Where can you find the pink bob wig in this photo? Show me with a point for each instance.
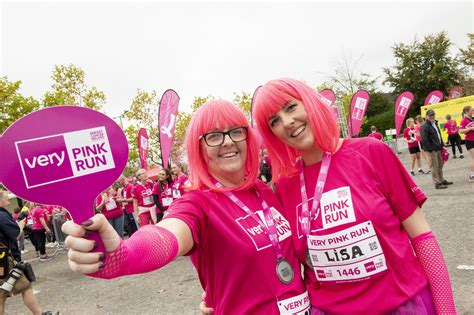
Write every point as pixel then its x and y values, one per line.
pixel 270 99
pixel 217 114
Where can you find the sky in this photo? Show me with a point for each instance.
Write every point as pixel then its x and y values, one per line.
pixel 210 48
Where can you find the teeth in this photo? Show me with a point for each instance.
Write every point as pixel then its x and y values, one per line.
pixel 228 155
pixel 298 131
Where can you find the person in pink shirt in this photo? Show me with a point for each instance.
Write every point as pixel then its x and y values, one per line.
pixel 124 196
pixel 143 204
pixel 409 136
pixel 418 122
pixel 467 128
pixel 179 180
pixel 107 204
pixel 229 223
pixel 354 211
pixel 162 192
pixel 375 134
pixel 40 228
pixel 453 135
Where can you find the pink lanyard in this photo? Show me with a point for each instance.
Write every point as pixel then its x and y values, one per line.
pixel 269 229
pixel 318 193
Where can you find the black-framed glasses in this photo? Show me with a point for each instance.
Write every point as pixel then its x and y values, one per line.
pixel 216 138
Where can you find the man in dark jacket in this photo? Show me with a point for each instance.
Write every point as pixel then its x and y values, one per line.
pixel 432 143
pixel 9 231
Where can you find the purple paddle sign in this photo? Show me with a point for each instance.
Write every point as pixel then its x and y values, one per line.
pixel 143 147
pixel 64 156
pixel 329 97
pixel 434 97
pixel 166 122
pixel 359 103
pixel 402 104
pixel 252 120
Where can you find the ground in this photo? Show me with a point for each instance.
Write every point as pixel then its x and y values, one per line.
pixel 175 289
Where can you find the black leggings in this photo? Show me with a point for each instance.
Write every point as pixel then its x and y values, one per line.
pixel 455 140
pixel 39 241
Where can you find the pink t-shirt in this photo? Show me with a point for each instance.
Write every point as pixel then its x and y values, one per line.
pixel 165 197
pixel 178 186
pixel 367 188
pixel 467 123
pixel 417 132
pixel 409 134
pixel 127 194
pixel 451 126
pixel 143 194
pixel 233 257
pixel 36 214
pixel 111 208
pixel 376 135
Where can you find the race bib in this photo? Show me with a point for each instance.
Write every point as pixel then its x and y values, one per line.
pixel 176 194
pixel 353 254
pixel 299 305
pixel 167 201
pixel 110 205
pixel 147 200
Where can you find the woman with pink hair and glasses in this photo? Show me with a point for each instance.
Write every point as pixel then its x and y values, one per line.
pixel 230 224
pixel 354 211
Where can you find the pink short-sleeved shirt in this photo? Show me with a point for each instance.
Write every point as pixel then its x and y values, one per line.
pixel 144 195
pixel 409 134
pixel 179 185
pixel 366 186
pixel 165 195
pixel 127 193
pixel 36 214
pixel 466 123
pixel 111 208
pixel 233 256
pixel 451 126
pixel 376 135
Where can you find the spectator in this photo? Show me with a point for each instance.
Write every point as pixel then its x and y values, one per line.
pixel 375 134
pixel 40 228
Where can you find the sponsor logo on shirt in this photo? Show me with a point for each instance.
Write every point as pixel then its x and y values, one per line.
pixel 257 234
pixel 59 157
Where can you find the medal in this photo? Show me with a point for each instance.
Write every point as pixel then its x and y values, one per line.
pixel 284 271
pixel 308 259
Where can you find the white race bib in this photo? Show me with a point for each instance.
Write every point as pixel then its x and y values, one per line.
pixel 299 305
pixel 110 205
pixel 148 200
pixel 348 255
pixel 167 201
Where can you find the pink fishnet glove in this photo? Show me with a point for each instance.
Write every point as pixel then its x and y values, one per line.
pixel 148 249
pixel 431 258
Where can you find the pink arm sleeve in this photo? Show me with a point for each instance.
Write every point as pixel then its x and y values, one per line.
pixel 150 248
pixel 429 254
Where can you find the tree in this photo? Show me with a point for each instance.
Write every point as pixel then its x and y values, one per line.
pixel 467 58
pixel 143 113
pixel 421 67
pixel 13 105
pixel 244 101
pixel 69 88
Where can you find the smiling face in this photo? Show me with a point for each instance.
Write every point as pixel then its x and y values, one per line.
pixel 291 125
pixel 162 176
pixel 226 161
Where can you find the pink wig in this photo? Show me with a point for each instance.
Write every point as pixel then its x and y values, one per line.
pixel 270 99
pixel 217 114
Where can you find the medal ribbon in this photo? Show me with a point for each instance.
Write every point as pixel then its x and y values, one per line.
pixel 269 229
pixel 318 193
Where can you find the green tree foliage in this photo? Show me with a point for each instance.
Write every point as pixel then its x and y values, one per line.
pixel 13 105
pixel 467 58
pixel 69 88
pixel 244 101
pixel 421 67
pixel 143 113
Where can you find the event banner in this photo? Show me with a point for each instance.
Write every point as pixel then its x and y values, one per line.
pixel 402 104
pixel 329 97
pixel 455 92
pixel 143 147
pixel 65 156
pixel 166 123
pixel 434 97
pixel 359 103
pixel 252 118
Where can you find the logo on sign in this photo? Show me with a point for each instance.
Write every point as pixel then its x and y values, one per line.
pixel 55 158
pixel 144 143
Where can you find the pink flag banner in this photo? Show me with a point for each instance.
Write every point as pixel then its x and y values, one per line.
pixel 359 102
pixel 402 104
pixel 329 97
pixel 65 156
pixel 252 119
pixel 455 92
pixel 166 123
pixel 434 97
pixel 143 147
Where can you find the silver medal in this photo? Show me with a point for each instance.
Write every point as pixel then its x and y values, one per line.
pixel 284 271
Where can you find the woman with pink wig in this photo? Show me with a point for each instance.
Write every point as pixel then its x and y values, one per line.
pixel 228 222
pixel 354 211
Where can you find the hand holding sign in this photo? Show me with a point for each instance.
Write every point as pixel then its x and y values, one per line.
pixel 63 156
